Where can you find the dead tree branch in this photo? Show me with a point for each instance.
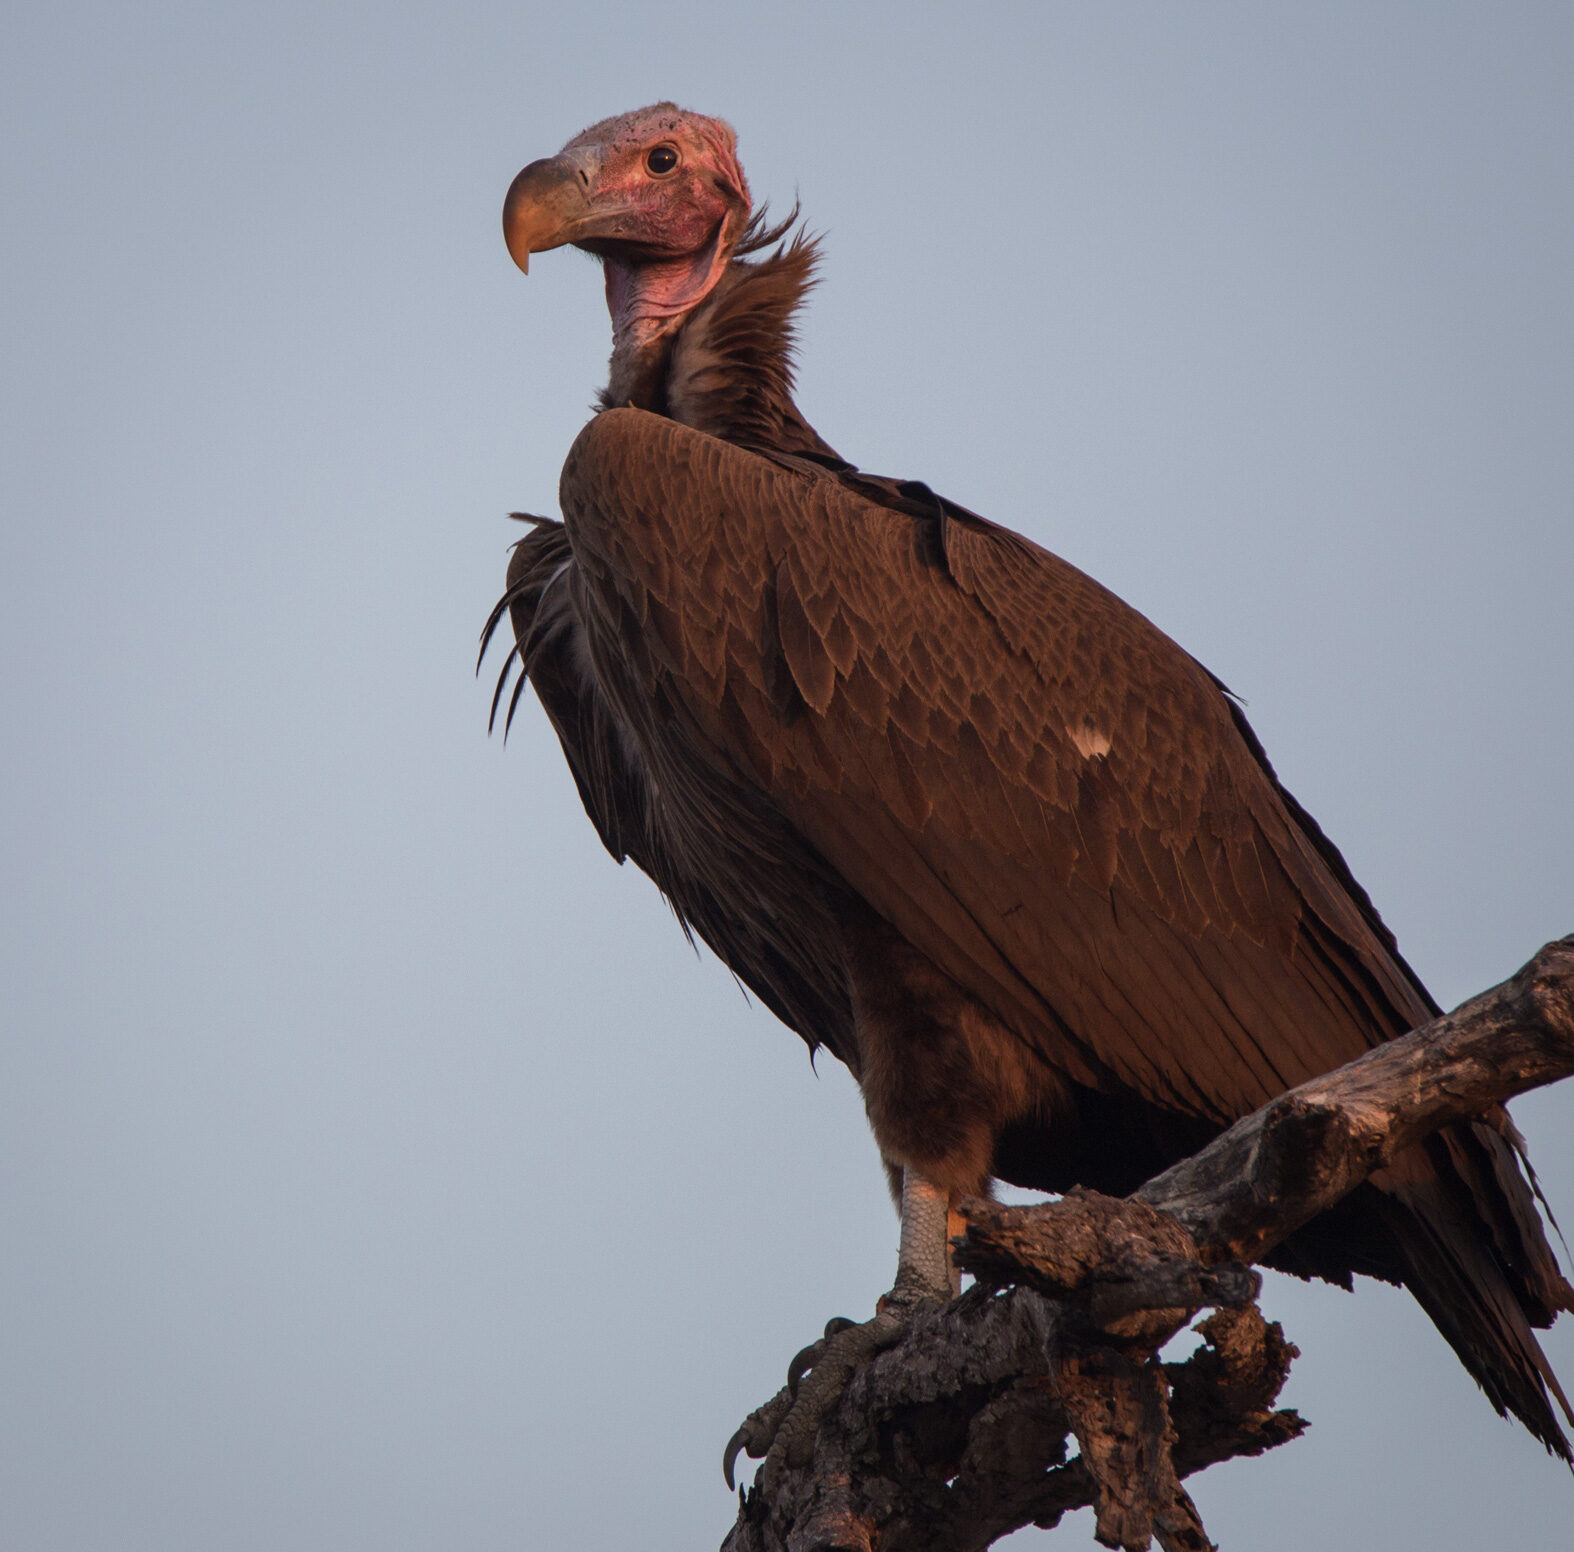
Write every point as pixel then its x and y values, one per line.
pixel 1293 1159
pixel 961 1433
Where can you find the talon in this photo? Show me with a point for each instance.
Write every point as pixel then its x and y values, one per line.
pixel 837 1323
pixel 730 1456
pixel 755 1433
pixel 804 1361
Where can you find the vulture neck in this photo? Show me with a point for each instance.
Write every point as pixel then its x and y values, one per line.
pixel 637 374
pixel 726 367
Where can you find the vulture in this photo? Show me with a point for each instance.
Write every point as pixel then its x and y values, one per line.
pixel 950 809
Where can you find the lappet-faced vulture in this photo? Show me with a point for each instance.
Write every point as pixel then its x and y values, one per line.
pixel 946 806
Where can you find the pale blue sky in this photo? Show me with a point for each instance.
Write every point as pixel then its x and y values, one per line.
pixel 378 1168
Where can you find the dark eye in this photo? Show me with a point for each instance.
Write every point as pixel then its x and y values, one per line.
pixel 661 159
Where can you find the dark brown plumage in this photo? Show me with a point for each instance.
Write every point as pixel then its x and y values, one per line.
pixel 946 805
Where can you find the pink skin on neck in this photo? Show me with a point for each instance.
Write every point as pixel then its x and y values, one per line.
pixel 645 299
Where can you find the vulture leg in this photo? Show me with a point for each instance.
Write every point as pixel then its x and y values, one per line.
pixel 783 1429
pixel 923 1260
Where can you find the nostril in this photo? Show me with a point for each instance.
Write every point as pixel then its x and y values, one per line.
pixel 584 177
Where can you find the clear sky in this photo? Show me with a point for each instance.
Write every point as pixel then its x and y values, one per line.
pixel 378 1167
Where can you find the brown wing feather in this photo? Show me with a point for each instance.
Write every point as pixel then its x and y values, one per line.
pixel 1030 781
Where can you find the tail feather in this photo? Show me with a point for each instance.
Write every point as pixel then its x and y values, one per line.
pixel 1473 1252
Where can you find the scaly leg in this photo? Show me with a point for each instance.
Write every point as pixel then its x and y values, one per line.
pixel 923 1258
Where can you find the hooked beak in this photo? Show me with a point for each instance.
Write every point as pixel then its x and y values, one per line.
pixel 548 204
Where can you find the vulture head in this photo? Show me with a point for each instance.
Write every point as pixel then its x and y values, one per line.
pixel 657 195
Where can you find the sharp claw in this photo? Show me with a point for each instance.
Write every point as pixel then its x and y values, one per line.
pixel 802 1362
pixel 730 1457
pixel 838 1323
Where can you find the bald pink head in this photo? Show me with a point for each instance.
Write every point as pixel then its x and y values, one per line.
pixel 675 173
pixel 656 194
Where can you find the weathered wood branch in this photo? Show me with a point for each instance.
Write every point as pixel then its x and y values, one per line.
pixel 960 1434
pixel 1283 1165
pixel 1278 1168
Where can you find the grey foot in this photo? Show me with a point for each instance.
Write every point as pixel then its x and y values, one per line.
pixel 783 1430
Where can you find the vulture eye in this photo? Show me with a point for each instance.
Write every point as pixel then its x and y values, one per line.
pixel 661 159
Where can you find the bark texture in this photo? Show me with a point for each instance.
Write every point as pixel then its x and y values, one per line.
pixel 963 1432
